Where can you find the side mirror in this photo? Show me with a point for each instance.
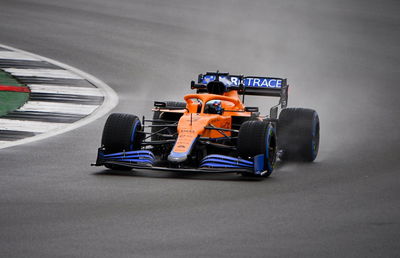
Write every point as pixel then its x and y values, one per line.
pixel 251 109
pixel 160 104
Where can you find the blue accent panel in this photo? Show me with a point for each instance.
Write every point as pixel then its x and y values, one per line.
pixel 138 152
pixel 259 82
pixel 227 80
pixel 235 162
pixel 132 157
pixel 221 161
pixel 270 83
pixel 135 160
pixel 133 134
pixel 141 156
pixel 217 165
pixel 178 155
pixel 217 156
pixel 226 162
pixel 259 163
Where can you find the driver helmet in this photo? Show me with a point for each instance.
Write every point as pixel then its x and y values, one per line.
pixel 214 107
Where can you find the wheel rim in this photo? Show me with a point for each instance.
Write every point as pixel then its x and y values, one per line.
pixel 271 150
pixel 315 137
pixel 136 127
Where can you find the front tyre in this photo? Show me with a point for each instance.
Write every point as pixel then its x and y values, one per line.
pixel 122 132
pixel 258 137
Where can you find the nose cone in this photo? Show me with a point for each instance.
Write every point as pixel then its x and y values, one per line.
pixel 177 157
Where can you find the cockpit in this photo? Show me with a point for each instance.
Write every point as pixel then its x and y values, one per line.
pixel 213 107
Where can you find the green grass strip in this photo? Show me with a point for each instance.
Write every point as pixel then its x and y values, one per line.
pixel 10 101
pixel 7 79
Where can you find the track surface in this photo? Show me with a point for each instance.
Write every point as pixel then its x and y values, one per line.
pixel 341 58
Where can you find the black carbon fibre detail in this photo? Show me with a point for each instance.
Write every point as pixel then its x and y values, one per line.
pixel 7 135
pixel 43 117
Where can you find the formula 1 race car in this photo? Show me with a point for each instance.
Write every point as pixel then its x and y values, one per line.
pixel 213 131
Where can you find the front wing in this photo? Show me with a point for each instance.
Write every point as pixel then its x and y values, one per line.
pixel 144 159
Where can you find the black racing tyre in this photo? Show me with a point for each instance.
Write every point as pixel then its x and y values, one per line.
pixel 258 137
pixel 121 133
pixel 298 134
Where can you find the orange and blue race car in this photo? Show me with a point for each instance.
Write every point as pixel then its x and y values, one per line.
pixel 213 130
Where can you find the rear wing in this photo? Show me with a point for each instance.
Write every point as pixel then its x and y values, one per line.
pixel 247 85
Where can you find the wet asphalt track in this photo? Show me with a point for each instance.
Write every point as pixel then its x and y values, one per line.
pixel 341 58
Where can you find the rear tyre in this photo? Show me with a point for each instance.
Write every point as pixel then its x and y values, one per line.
pixel 298 134
pixel 258 137
pixel 121 133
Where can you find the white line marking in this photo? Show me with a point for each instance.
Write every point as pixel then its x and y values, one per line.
pixel 48 73
pixel 17 56
pixel 57 107
pixel 29 126
pixel 55 89
pixel 110 101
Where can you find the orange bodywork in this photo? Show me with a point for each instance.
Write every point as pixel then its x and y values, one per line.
pixel 193 122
